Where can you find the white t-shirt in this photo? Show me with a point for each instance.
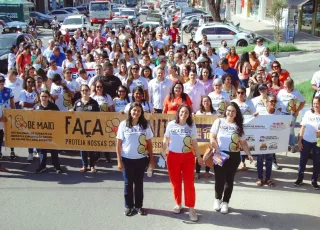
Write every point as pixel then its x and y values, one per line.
pixel 27 97
pixel 134 140
pixel 16 87
pixel 63 101
pixel 73 86
pixel 227 136
pixel 290 100
pixel 51 72
pixel 11 60
pixel 141 81
pixel 180 137
pixel 312 123
pixel 219 102
pixel 265 112
pixel 316 79
pixel 222 52
pixel 67 64
pixel 104 102
pixel 259 50
pixel 119 105
pixel 259 104
pixel 246 108
pixel 82 81
pixel 147 107
pixel 122 78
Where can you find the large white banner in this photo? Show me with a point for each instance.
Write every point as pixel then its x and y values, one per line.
pixel 267 133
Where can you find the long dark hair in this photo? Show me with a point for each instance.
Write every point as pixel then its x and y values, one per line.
pixel 238 119
pixel 104 91
pixel 127 92
pixel 25 82
pixel 244 58
pixel 146 68
pixel 202 109
pixel 189 119
pixel 142 122
pixel 209 74
pixel 274 74
pixel 140 90
pixel 183 95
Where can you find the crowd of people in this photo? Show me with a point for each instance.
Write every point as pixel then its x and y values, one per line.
pixel 151 70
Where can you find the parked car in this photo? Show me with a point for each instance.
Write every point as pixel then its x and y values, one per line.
pixel 60 14
pixel 14 25
pixel 41 19
pixel 72 10
pixel 144 9
pixel 73 22
pixel 83 10
pixel 216 32
pixel 130 14
pixel 124 21
pixel 110 24
pixel 6 42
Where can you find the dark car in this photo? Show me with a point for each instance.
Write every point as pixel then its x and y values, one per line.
pixel 6 42
pixel 41 19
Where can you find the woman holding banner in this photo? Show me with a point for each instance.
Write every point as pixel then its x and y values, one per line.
pixel 138 96
pixel 227 135
pixel 29 97
pixel 180 139
pixel 247 108
pixel 86 104
pixel 45 104
pixel 309 141
pixel 220 99
pixel 122 100
pixel 134 145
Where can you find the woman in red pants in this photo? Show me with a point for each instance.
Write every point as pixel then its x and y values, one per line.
pixel 180 138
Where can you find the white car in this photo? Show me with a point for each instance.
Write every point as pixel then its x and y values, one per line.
pixel 60 14
pixel 72 23
pixel 145 9
pixel 130 14
pixel 216 32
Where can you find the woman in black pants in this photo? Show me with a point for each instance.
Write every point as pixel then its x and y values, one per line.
pixel 227 135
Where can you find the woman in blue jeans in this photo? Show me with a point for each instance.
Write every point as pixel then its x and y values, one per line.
pixel 134 149
pixel 271 102
pixel 308 141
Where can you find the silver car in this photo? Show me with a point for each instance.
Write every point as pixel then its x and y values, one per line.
pixel 60 14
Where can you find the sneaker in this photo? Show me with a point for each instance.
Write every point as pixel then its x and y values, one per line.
pixel 128 212
pixel 298 182
pixel 40 170
pixel 30 157
pixel 141 211
pixel 12 156
pixel 217 205
pixel 177 209
pixel 275 166
pixel 224 208
pixel 315 185
pixel 193 215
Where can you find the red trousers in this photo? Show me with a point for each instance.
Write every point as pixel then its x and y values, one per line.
pixel 181 167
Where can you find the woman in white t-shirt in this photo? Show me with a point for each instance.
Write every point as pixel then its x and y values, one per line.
pixel 247 108
pixel 134 154
pixel 138 96
pixel 134 80
pixel 227 136
pixel 122 100
pixel 220 100
pixel 308 141
pixel 15 84
pixel 180 139
pixel 123 70
pixel 28 98
pixel 292 102
pixel 205 109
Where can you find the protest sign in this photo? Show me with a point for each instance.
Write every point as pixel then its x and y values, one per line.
pixel 97 131
pixel 75 75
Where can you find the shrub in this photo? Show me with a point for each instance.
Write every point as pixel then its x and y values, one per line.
pixel 305 89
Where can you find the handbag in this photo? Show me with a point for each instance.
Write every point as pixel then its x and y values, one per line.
pixel 220 159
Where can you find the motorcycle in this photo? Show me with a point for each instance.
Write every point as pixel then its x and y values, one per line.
pixel 55 29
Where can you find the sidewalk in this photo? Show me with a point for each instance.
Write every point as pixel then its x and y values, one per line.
pixel 303 41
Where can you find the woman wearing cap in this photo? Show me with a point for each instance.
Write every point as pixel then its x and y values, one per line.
pixel 275 85
pixel 134 80
pixel 28 98
pixel 247 108
pixel 220 100
pixel 86 104
pixel 134 154
pixel 276 68
pixel 227 135
pixel 176 98
pixel 179 150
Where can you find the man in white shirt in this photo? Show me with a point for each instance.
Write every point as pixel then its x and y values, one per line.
pixel 266 59
pixel 49 51
pixel 53 69
pixel 159 88
pixel 258 49
pixel 178 44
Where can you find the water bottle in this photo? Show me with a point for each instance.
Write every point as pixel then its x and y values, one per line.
pixel 318 138
pixel 149 172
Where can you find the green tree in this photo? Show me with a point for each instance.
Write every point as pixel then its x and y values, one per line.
pixel 214 8
pixel 276 10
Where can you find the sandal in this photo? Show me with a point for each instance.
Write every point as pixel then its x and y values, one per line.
pixel 206 175
pixel 269 183
pixel 83 169
pixel 197 176
pixel 259 183
pixel 93 170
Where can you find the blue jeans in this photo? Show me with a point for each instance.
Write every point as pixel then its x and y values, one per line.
pixel 292 137
pixel 133 174
pixel 84 158
pixel 269 160
pixel 54 158
pixel 304 154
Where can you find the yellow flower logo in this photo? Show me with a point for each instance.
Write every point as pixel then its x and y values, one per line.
pixel 112 127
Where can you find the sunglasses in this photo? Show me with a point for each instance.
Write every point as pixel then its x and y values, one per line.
pixel 275 66
pixel 32 82
pixel 121 91
pixel 242 93
pixel 273 101
pixel 99 86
